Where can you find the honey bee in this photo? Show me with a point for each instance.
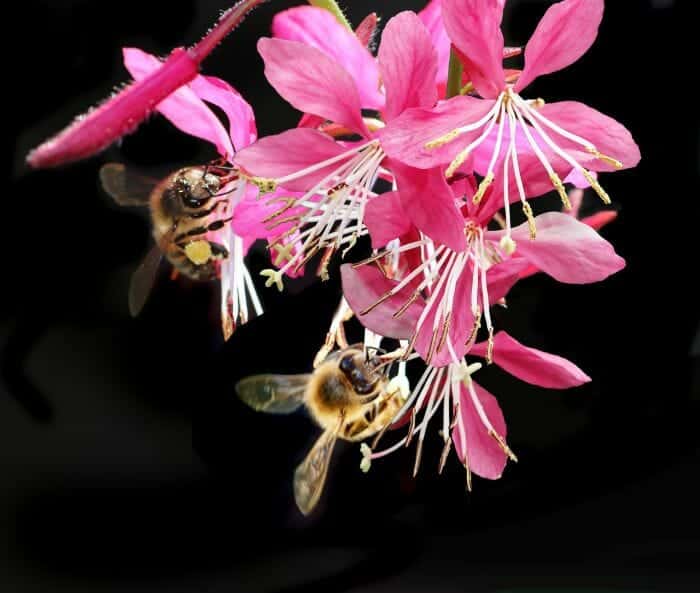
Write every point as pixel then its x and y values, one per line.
pixel 185 208
pixel 348 397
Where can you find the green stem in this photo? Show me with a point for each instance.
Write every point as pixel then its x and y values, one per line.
pixel 454 76
pixel 332 7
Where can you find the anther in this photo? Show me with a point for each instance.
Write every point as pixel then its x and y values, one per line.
pixel 387 295
pixel 419 456
pixel 406 305
pixel 273 277
pixel 605 158
pixel 445 331
pixel 557 183
pixel 475 327
pixel 353 241
pixel 445 453
pixel 288 203
pixel 527 210
pixel 596 187
pixel 469 477
pixel 264 184
pixel 322 270
pixel 483 186
pixel 502 444
pixel 457 162
pixel 489 347
pixel 411 428
pixel 444 139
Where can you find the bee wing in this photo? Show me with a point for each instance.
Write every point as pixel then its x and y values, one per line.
pixel 310 475
pixel 142 280
pixel 124 186
pixel 275 394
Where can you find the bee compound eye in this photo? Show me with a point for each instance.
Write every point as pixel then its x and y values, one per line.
pixel 347 364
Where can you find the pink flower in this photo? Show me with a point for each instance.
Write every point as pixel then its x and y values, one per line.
pixel 470 416
pixel 122 113
pixel 440 301
pixel 337 177
pixel 495 132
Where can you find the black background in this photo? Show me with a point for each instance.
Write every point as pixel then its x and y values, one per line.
pixel 126 463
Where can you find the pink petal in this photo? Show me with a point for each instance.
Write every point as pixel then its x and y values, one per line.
pixel 183 108
pixel 567 249
pixel 366 31
pixel 483 454
pixel 363 286
pixel 474 26
pixel 317 27
pixel 430 206
pixel 385 218
pixel 251 211
pixel 532 366
pixel 290 152
pixel 312 82
pixel 501 277
pixel 431 16
pixel 405 137
pixel 609 137
pixel 564 34
pixel 240 114
pixel 408 65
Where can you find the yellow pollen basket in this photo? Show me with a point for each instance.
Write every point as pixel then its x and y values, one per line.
pixel 198 252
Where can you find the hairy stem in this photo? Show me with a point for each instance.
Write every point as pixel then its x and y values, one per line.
pixel 333 8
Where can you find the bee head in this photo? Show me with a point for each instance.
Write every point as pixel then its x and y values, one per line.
pixel 359 373
pixel 193 187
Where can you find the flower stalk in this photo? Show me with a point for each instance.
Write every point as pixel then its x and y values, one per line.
pixel 332 7
pixel 454 76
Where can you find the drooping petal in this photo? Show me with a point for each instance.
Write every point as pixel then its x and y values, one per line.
pixel 183 108
pixel 567 249
pixel 385 218
pixel 599 219
pixel 405 137
pixel 501 277
pixel 408 65
pixel 318 28
pixel 431 16
pixel 609 136
pixel 532 365
pixel 312 82
pixel 363 286
pixel 241 118
pixel 474 26
pixel 482 453
pixel 564 34
pixel 288 153
pixel 429 204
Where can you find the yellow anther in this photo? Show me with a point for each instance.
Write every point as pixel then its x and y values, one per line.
pixel 605 158
pixel 273 277
pixel 489 347
pixel 483 186
pixel 507 244
pixel 444 139
pixel 198 252
pixel 457 162
pixel 538 103
pixel 527 210
pixel 466 89
pixel 557 183
pixel 264 184
pixel 502 444
pixel 596 187
pixel 366 462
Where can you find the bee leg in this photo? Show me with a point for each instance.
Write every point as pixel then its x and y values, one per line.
pixel 202 230
pixel 208 211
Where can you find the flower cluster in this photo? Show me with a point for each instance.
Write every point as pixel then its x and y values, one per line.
pixel 431 149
